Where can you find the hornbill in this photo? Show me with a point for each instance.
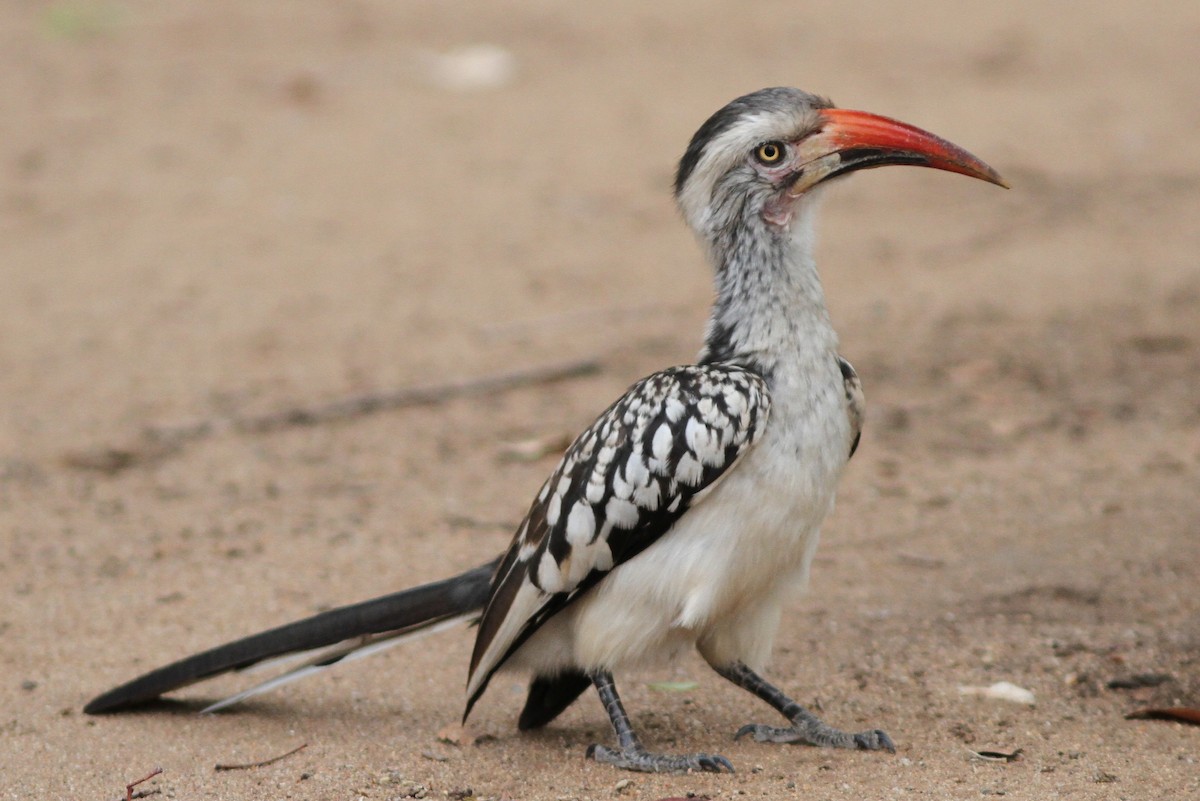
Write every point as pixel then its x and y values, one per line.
pixel 688 512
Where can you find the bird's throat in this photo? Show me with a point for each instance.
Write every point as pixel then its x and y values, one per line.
pixel 770 306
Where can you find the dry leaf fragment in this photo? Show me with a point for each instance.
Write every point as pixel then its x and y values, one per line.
pixel 1179 714
pixel 1139 680
pixel 468 68
pixel 673 686
pixel 1001 691
pixel 534 448
pixel 997 756
pixel 460 735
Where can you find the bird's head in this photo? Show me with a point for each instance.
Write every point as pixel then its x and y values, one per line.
pixel 756 161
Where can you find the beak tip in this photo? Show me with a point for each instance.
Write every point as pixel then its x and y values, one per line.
pixel 999 180
pixel 975 168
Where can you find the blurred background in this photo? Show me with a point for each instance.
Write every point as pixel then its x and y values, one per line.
pixel 211 212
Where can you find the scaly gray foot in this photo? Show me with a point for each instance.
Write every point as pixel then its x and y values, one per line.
pixel 814 732
pixel 645 762
pixel 806 727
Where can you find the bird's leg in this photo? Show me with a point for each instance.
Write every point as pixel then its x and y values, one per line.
pixel 806 727
pixel 630 754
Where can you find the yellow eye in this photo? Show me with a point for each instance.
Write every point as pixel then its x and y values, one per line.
pixel 769 153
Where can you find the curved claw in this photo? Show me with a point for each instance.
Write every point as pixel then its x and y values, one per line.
pixel 715 763
pixel 875 740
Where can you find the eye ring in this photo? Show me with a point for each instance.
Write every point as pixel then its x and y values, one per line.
pixel 770 153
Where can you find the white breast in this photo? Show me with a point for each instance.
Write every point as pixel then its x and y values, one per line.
pixel 719 578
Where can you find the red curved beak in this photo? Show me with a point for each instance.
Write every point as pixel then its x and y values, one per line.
pixel 857 140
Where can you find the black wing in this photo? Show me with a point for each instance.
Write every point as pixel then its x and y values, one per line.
pixel 856 404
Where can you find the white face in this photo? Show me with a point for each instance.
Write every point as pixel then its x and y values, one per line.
pixel 752 161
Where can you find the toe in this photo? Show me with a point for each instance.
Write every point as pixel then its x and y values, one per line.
pixel 723 763
pixel 749 728
pixel 875 740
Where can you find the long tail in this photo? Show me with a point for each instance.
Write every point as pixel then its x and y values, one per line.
pixel 317 642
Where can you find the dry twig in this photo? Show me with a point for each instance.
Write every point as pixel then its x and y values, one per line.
pixel 130 794
pixel 262 763
pixel 161 441
pixel 361 405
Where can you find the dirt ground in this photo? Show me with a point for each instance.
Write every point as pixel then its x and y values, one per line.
pixel 211 211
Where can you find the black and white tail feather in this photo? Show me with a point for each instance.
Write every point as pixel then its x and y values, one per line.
pixel 316 643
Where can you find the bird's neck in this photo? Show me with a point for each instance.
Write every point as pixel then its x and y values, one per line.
pixel 769 314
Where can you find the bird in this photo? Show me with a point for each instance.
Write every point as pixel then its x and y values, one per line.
pixel 686 516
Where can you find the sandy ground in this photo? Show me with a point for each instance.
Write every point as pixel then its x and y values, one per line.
pixel 227 209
